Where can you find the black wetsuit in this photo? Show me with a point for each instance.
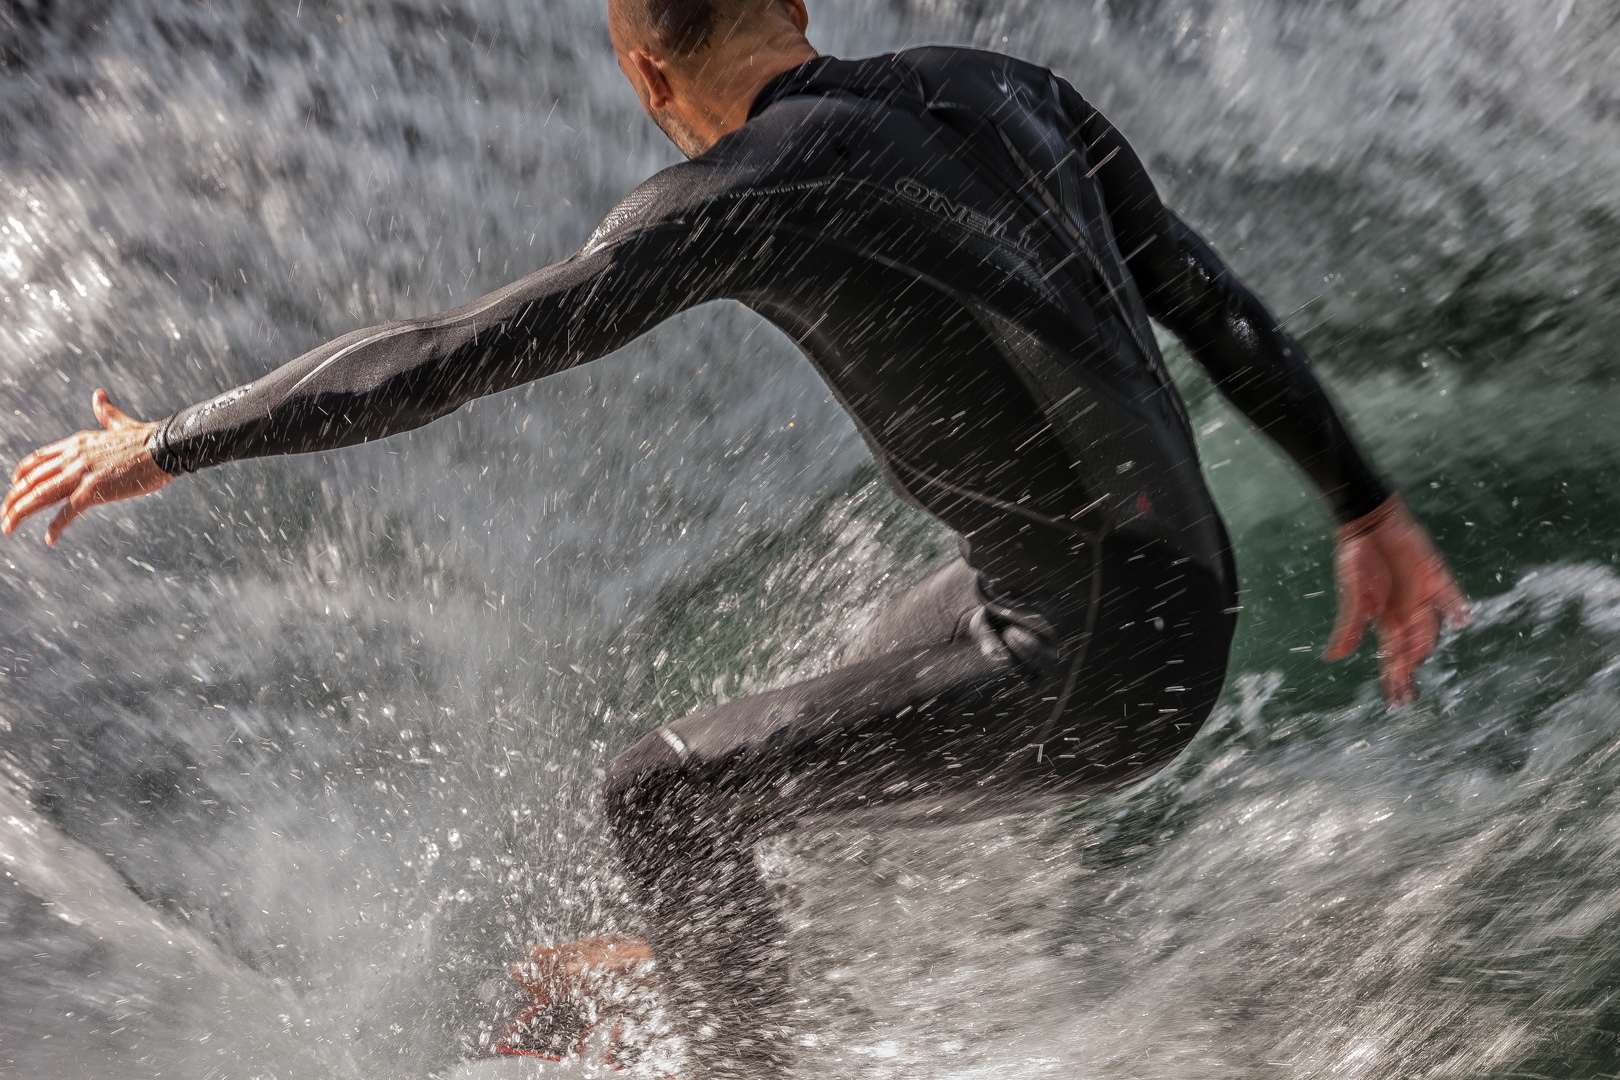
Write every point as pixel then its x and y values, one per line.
pixel 969 254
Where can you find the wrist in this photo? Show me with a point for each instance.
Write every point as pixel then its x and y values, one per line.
pixel 157 446
pixel 1390 508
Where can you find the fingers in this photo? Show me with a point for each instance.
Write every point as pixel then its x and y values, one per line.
pixel 108 415
pixel 1407 643
pixel 1409 639
pixel 1454 607
pixel 1356 608
pixel 1394 681
pixel 9 516
pixel 1348 631
pixel 37 497
pixel 44 453
pixel 81 500
pixel 30 470
pixel 1396 688
pixel 43 469
pixel 26 464
pixel 1416 637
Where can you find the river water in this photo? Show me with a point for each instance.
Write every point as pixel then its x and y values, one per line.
pixel 296 756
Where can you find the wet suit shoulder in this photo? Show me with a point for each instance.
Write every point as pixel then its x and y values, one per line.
pixel 966 250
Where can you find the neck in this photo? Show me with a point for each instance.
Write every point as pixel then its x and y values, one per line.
pixel 728 81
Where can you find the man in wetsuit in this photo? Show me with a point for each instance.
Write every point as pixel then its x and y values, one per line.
pixel 969 254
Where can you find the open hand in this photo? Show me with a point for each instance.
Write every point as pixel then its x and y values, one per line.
pixel 84 469
pixel 1389 574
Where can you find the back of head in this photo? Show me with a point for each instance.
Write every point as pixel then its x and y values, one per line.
pixel 698 65
pixel 681 29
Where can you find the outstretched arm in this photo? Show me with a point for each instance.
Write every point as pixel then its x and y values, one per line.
pixel 1388 572
pixel 377 382
pixel 373 383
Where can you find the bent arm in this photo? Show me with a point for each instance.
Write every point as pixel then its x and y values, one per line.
pixel 1255 364
pixel 1388 573
pixel 377 382
pixel 1189 290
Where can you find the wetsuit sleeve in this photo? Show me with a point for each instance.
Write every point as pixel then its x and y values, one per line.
pixel 377 382
pixel 1190 291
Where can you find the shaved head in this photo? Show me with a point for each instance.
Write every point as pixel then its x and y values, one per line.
pixel 698 64
pixel 681 29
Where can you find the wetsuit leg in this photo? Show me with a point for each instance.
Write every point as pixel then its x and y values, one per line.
pixel 688 800
pixel 934 717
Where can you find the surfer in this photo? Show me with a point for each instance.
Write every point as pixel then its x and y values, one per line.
pixel 969 254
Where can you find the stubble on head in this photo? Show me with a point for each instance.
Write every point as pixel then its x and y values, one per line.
pixel 679 32
pixel 697 64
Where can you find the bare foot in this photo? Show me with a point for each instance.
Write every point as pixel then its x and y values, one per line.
pixel 561 970
pixel 587 996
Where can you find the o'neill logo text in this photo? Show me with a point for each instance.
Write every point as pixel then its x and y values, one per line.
pixel 941 205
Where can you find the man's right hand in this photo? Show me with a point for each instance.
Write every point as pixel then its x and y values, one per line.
pixel 1390 576
pixel 84 469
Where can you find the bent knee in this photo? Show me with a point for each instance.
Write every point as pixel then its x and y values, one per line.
pixel 638 779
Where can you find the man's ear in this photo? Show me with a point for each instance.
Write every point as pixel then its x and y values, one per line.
pixel 798 13
pixel 652 75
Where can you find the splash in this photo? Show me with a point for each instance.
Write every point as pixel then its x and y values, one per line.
pixel 301 754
